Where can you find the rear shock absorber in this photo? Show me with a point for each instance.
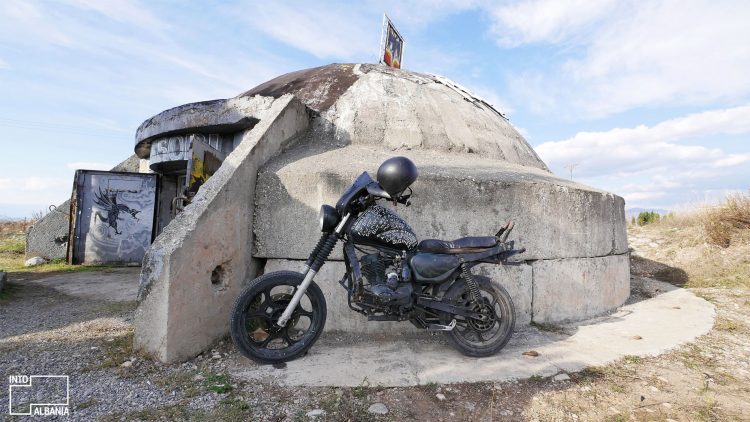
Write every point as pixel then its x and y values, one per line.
pixel 470 282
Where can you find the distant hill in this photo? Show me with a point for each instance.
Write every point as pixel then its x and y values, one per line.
pixel 630 212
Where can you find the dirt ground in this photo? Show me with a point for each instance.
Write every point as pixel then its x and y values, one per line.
pixel 46 331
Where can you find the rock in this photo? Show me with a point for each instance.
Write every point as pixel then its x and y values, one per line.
pixel 532 353
pixel 440 396
pixel 37 260
pixel 378 409
pixel 315 413
pixel 198 377
pixel 636 337
pixel 561 377
pixel 470 406
pixel 126 364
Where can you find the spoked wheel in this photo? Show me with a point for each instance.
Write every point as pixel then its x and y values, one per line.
pixel 254 329
pixel 486 335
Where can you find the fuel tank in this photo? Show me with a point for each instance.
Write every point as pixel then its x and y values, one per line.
pixel 379 226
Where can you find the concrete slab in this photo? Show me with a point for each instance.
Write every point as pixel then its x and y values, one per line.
pixel 646 328
pixel 579 288
pixel 110 285
pixel 455 195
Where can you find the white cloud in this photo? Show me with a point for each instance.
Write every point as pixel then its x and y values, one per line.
pixel 36 191
pixel 632 54
pixel 330 31
pixel 545 20
pixel 647 163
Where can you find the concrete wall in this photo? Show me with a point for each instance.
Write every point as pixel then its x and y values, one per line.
pixel 197 266
pixel 576 265
pixel 48 237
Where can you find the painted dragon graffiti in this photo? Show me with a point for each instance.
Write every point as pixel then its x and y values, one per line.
pixel 108 203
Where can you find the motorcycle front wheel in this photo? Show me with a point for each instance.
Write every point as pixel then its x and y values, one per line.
pixel 258 308
pixel 485 337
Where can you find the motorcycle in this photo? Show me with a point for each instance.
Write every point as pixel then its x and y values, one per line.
pixel 389 277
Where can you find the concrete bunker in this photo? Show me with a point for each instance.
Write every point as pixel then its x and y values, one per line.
pixel 300 139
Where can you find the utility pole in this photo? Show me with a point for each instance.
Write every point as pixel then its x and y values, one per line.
pixel 570 167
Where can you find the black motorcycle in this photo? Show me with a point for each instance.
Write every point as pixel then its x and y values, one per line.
pixel 389 277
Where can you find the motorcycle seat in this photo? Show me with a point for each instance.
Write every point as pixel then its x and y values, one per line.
pixel 463 245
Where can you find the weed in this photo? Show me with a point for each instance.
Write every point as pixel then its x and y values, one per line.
pixel 431 386
pixel 180 381
pixel 617 388
pixel 361 390
pixel 632 359
pixel 708 411
pixel 726 324
pixel 329 403
pixel 232 409
pixel 552 328
pixel 117 351
pixel 219 383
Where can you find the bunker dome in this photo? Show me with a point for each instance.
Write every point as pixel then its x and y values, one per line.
pixel 296 142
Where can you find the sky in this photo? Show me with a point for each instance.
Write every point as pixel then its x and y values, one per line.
pixel 646 99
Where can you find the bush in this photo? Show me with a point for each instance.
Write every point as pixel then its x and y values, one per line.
pixel 732 217
pixel 647 217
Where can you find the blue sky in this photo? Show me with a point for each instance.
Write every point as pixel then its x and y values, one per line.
pixel 651 100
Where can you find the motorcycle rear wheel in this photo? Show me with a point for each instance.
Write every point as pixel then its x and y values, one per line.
pixel 481 338
pixel 255 312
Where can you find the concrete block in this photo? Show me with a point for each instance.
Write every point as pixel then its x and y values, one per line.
pixel 517 280
pixel 196 267
pixel 48 237
pixel 455 195
pixel 579 288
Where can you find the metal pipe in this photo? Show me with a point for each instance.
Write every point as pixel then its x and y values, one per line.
pixel 296 298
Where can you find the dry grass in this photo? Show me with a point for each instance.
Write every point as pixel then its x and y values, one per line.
pixel 704 248
pixel 15 227
pixel 724 224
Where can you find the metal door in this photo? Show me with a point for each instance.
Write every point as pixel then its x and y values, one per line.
pixel 112 217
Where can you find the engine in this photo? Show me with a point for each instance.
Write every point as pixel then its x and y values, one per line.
pixel 384 275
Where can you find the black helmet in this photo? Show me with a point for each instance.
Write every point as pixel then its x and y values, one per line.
pixel 396 174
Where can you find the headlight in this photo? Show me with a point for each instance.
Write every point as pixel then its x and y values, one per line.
pixel 328 218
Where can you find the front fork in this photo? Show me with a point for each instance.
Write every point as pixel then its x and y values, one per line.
pixel 316 260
